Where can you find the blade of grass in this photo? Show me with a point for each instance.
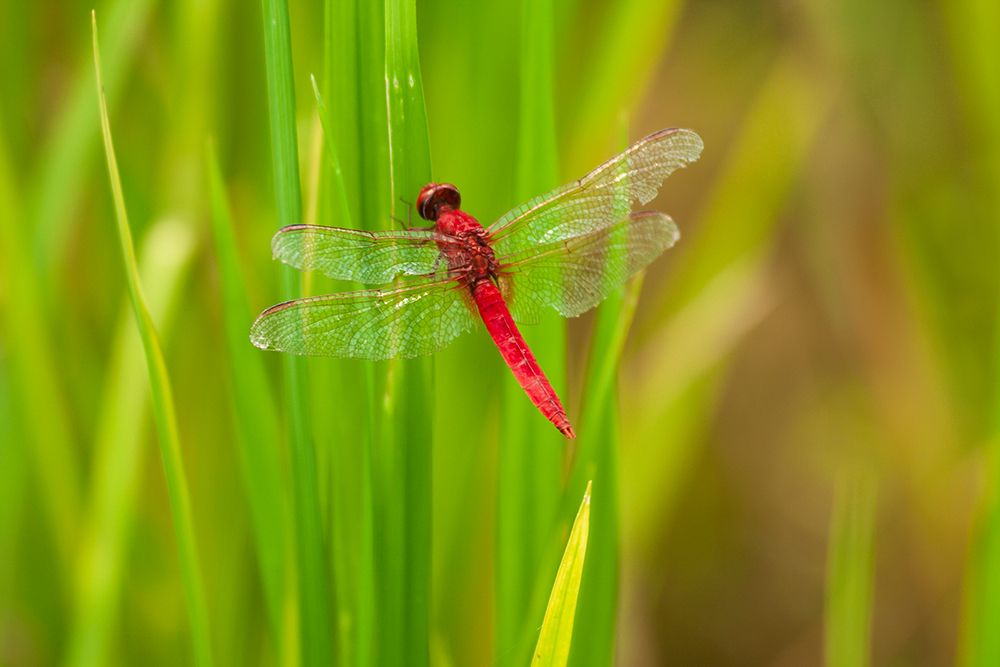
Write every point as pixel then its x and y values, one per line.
pixel 165 259
pixel 979 646
pixel 611 328
pixel 37 395
pixel 341 122
pixel 850 565
pixel 473 146
pixel 371 185
pixel 556 635
pixel 254 411
pixel 316 623
pixel 12 480
pixel 349 70
pixel 324 390
pixel 357 68
pixel 16 49
pixel 163 402
pixel 120 450
pixel 529 462
pixel 61 179
pixel 975 55
pixel 337 195
pixel 372 175
pixel 409 169
pixel 597 458
pixel 351 514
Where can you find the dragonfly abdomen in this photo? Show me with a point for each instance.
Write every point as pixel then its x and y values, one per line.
pixel 518 356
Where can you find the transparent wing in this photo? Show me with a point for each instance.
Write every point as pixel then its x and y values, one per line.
pixel 576 274
pixel 410 321
pixel 350 254
pixel 599 199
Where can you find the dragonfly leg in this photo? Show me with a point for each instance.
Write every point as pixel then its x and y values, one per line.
pixel 409 212
pixel 408 225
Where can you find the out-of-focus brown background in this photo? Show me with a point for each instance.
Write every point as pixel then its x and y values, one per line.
pixel 843 241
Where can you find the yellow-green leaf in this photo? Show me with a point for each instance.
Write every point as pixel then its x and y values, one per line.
pixel 557 628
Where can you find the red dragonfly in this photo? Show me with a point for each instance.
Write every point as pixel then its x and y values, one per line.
pixel 567 250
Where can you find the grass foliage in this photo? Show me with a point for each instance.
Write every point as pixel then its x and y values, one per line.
pixel 831 307
pixel 556 636
pixel 850 573
pixel 164 410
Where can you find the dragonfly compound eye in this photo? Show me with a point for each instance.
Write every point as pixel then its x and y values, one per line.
pixel 435 195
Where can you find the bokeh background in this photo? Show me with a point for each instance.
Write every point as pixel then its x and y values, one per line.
pixel 795 467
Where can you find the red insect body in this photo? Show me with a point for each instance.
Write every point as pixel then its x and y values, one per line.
pixel 476 257
pixel 515 352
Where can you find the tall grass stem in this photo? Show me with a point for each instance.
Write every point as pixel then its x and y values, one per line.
pixel 163 401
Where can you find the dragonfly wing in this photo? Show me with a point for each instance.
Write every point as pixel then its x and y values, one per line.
pixel 350 254
pixel 576 274
pixel 410 321
pixel 599 199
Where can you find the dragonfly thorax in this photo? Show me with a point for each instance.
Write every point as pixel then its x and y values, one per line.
pixel 482 260
pixel 434 196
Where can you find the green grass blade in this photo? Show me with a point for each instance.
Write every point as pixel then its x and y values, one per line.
pixel 979 644
pixel 348 71
pixel 165 259
pixel 409 146
pixel 850 566
pixel 597 459
pixel 342 124
pixel 316 622
pixel 611 328
pixel 337 190
pixel 975 56
pixel 529 462
pixel 356 66
pixel 37 394
pixel 163 402
pixel 556 636
pixel 13 478
pixel 470 82
pixel 256 420
pixel 410 168
pixel 355 53
pixel 61 178
pixel 351 513
pixel 372 173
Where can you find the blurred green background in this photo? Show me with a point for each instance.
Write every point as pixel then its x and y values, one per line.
pixel 796 465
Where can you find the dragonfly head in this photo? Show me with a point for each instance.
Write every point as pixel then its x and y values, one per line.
pixel 435 195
